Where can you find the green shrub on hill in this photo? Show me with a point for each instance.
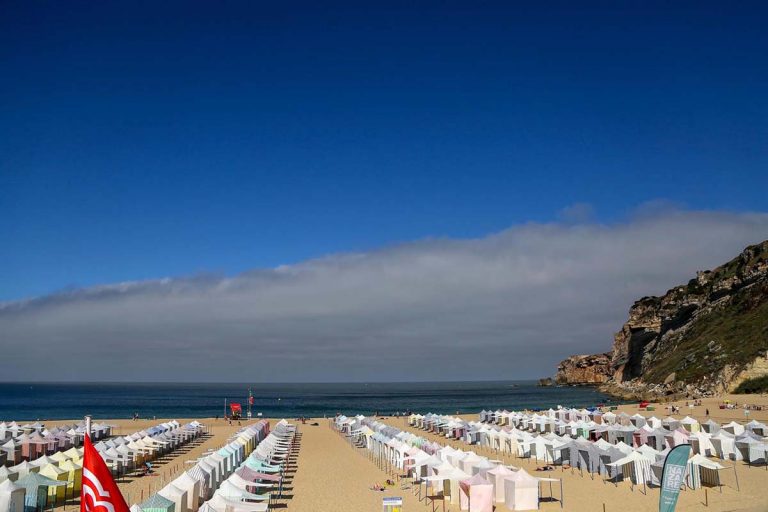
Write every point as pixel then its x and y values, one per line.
pixel 756 385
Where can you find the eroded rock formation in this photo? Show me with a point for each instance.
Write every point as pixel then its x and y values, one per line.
pixel 584 369
pixel 697 338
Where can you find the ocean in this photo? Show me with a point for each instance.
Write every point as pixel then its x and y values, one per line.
pixel 32 401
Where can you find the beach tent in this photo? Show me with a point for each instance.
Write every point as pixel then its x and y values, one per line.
pixel 496 476
pixel 670 423
pixel 7 474
pixel 136 508
pixel 157 503
pixel 43 461
pixel 245 485
pixel 11 497
pixel 703 472
pixel 733 428
pixel 476 494
pixel 59 457
pixel 449 477
pixel 24 468
pixel 690 424
pixel 636 466
pixel 58 493
pixel 752 450
pixel 724 444
pixel 482 467
pixel 521 491
pixel 754 426
pixel 637 420
pixel 640 436
pixel 203 481
pixel 12 450
pixel 609 418
pixel 700 443
pixel 176 495
pixel 424 467
pixel 191 486
pixel 74 477
pixel 221 504
pixel 468 462
pixel 36 487
pixel 231 491
pixel 74 453
pixel 657 438
pixel 710 426
pixel 677 437
pixel 212 470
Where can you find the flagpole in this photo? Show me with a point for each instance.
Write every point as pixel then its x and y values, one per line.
pixel 88 425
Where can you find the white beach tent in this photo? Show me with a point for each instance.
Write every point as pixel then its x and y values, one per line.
pixel 754 426
pixel 212 469
pixel 751 449
pixel 177 496
pixel 521 491
pixel 468 462
pixel 636 466
pixel 191 486
pixel 482 467
pixel 724 444
pixel 7 474
pixel 701 443
pixel 690 424
pixel 230 491
pixel 702 471
pixel 11 497
pixel 734 428
pixel 449 477
pixel 219 503
pixel 496 476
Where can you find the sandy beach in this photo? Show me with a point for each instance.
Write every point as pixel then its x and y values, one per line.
pixel 582 492
pixel 333 475
pixel 330 474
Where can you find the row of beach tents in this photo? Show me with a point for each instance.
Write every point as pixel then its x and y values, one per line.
pixel 32 440
pixel 51 479
pixel 242 476
pixel 614 450
pixel 466 479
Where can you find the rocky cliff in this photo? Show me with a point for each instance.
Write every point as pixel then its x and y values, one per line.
pixel 585 369
pixel 699 338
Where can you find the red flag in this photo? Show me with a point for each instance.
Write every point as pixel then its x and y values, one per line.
pixel 100 492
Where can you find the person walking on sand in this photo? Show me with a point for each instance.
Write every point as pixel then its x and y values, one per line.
pixel 706 412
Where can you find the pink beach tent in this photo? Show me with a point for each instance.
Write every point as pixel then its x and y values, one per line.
pixel 476 494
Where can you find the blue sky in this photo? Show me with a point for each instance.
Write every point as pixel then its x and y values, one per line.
pixel 141 140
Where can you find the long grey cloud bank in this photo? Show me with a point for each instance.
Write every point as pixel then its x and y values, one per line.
pixel 507 306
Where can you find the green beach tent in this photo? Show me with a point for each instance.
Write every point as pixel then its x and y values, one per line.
pixel 157 503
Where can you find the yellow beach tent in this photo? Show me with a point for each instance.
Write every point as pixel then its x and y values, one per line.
pixel 59 493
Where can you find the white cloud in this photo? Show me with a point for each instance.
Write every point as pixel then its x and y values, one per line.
pixel 509 305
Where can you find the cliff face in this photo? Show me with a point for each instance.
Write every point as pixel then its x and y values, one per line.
pixel 697 338
pixel 587 369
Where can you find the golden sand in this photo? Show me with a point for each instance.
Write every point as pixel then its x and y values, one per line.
pixel 332 475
